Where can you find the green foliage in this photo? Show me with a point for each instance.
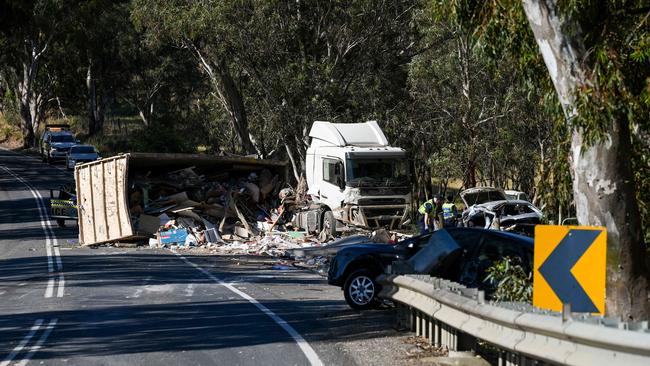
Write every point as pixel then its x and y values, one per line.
pixel 512 282
pixel 468 115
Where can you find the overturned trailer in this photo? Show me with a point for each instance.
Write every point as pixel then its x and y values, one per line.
pixel 106 189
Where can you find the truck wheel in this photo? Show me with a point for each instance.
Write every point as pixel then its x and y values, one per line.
pixel 360 290
pixel 329 223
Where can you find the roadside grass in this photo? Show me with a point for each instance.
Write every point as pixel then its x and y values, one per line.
pixel 10 134
pixel 120 134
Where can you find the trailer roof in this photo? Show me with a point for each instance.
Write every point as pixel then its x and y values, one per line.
pixel 349 134
pixel 167 159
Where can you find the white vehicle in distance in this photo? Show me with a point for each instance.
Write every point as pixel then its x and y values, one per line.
pixel 80 154
pixel 516 195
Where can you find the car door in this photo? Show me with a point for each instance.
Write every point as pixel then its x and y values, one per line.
pixel 331 192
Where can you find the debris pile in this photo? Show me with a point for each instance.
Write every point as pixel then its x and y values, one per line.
pixel 192 207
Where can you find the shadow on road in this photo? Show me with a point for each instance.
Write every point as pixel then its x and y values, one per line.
pixel 117 328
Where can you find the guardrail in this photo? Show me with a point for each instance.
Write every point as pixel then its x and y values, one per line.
pixel 452 316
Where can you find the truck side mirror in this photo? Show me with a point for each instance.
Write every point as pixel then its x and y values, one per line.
pixel 337 168
pixel 340 181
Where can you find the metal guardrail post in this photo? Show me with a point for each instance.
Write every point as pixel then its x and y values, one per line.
pixel 411 319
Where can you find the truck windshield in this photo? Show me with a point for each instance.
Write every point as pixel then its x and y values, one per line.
pixel 388 172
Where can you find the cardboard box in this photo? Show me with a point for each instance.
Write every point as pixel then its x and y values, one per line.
pixel 176 236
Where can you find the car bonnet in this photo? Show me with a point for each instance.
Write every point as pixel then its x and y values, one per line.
pixel 481 195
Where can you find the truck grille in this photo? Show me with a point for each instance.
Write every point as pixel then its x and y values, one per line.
pixel 381 201
pixel 384 191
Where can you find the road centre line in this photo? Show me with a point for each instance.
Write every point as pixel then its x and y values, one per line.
pixel 23 343
pixel 39 344
pixel 53 255
pixel 307 350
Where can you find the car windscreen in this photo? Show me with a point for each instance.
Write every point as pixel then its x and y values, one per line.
pixel 465 237
pixel 82 150
pixel 516 209
pixel 439 253
pixel 62 138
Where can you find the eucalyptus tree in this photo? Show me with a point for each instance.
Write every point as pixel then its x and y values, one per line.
pixel 29 31
pixel 204 29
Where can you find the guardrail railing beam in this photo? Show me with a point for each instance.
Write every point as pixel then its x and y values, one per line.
pixel 451 316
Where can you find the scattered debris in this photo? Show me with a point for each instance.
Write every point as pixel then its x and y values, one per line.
pixel 200 207
pixel 423 348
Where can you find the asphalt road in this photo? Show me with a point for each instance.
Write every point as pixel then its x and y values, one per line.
pixel 65 305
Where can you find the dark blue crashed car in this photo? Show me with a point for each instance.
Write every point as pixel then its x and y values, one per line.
pixel 458 254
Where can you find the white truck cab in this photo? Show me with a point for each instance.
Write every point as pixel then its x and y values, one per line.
pixel 356 175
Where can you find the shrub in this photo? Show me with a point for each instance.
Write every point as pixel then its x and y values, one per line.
pixel 512 282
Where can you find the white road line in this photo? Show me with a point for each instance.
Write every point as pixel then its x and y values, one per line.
pixel 140 289
pixel 57 253
pixel 23 343
pixel 50 241
pixel 59 292
pixel 189 290
pixel 33 349
pixel 302 343
pixel 48 249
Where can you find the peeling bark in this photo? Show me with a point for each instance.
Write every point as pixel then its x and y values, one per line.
pixel 294 166
pixel 31 102
pixel 603 183
pixel 228 94
pixel 96 104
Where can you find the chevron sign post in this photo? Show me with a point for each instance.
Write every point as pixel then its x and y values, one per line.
pixel 570 268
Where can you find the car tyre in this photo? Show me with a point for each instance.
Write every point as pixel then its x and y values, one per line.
pixel 360 290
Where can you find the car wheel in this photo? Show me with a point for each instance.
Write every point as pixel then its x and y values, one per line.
pixel 360 290
pixel 329 223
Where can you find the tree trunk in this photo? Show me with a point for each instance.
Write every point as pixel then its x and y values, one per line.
pixel 292 159
pixel 603 183
pixel 228 94
pixel 92 100
pixel 234 104
pixel 31 104
pixel 24 97
pixel 463 51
